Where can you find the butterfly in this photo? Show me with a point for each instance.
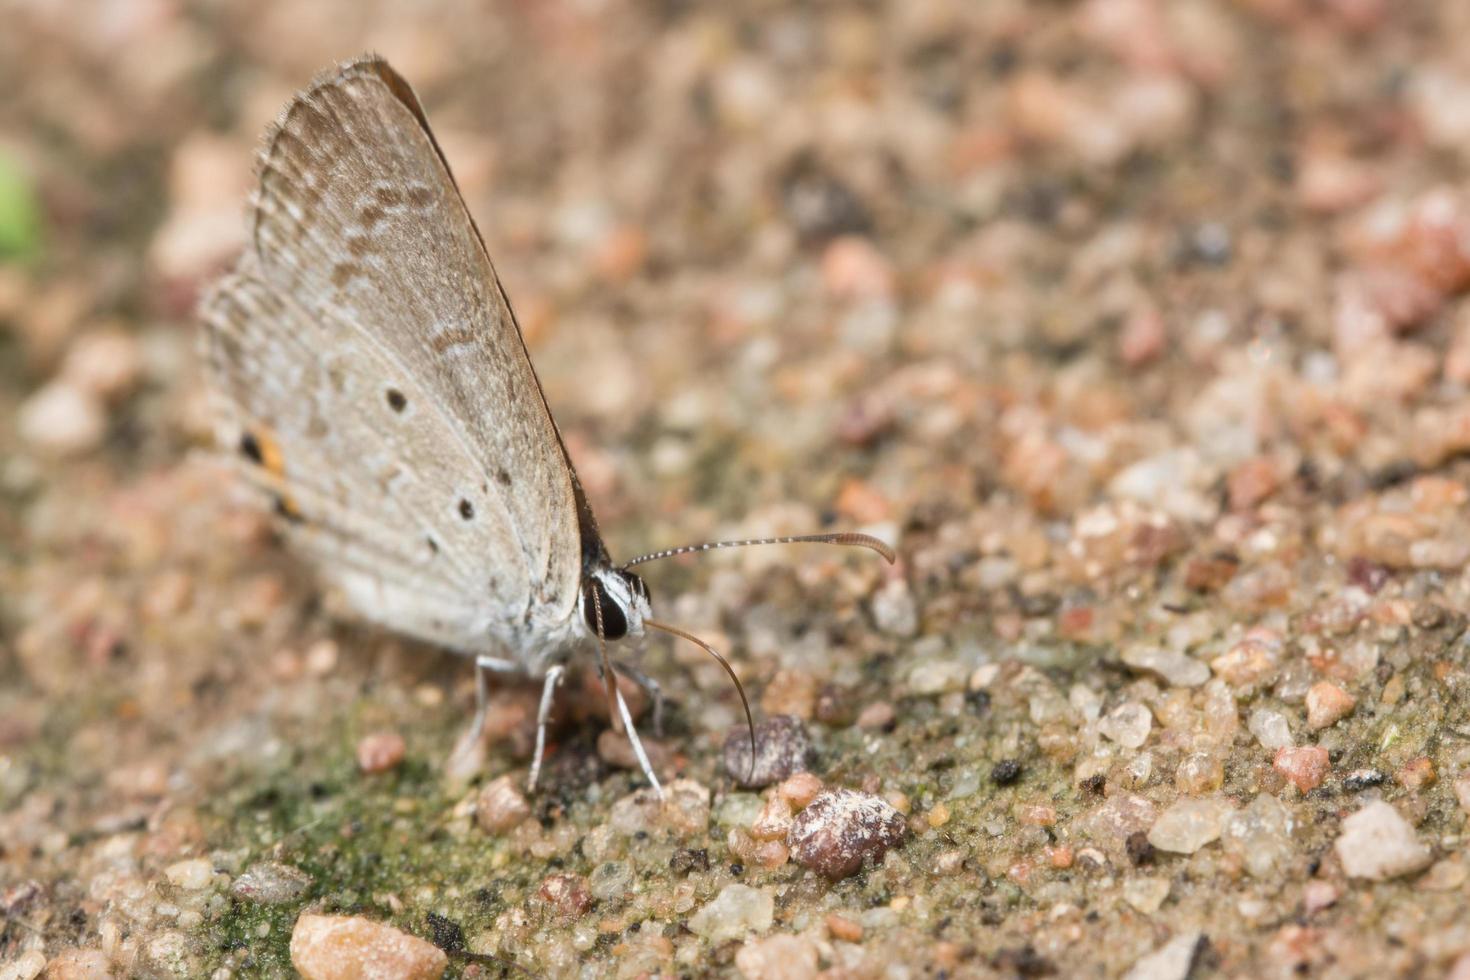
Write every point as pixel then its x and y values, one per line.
pixel 372 382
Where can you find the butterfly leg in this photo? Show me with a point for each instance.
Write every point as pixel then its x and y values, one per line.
pixel 637 744
pixel 483 667
pixel 543 718
pixel 468 756
pixel 654 691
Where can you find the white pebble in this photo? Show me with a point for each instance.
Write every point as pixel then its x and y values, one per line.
pixel 1270 729
pixel 736 910
pixel 1378 843
pixel 1128 724
pixel 1189 825
pixel 62 419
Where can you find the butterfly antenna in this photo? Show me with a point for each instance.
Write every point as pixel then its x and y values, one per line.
pixel 739 688
pixel 848 539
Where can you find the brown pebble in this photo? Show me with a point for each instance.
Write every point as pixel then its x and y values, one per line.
pixel 774 820
pixel 840 829
pixel 346 947
pixel 791 692
pixel 1304 766
pixel 1416 773
pixel 843 928
pixel 782 749
pixel 380 751
pixel 79 964
pixel 566 894
pixel 800 789
pixel 876 716
pixel 616 750
pixel 501 806
pixel 1327 704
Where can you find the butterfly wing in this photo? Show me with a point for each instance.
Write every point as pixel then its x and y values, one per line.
pixel 368 356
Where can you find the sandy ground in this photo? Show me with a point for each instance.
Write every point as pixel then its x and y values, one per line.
pixel 1138 325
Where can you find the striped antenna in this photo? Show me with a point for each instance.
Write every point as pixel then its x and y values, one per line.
pixel 849 539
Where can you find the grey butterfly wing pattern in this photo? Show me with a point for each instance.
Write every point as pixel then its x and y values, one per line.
pixel 373 377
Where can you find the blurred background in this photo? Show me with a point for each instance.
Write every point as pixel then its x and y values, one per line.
pixel 1136 323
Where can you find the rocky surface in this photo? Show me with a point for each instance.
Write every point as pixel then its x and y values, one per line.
pixel 1140 328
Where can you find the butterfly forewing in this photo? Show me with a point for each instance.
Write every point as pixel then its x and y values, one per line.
pixel 366 348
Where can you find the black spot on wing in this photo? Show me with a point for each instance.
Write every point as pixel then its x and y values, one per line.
pixel 466 509
pixel 396 400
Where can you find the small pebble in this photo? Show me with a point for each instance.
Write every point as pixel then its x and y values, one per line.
pixel 736 911
pixel 1260 835
pixel 190 875
pixel 271 883
pixel 1146 894
pixel 783 748
pixel 62 419
pixel 26 966
pixel 351 947
pixel 1416 774
pixel 1199 773
pixel 1462 791
pixel 1128 724
pixel 501 805
pixel 799 789
pixel 1378 843
pixel 1270 728
pixel 610 880
pixel 1172 961
pixel 894 610
pixel 1327 704
pixel 616 749
pixel 380 752
pixel 791 692
pixel 566 894
pixel 782 957
pixel 774 821
pixel 877 716
pixel 840 829
pixel 842 928
pixel 1177 669
pixel 1318 895
pixel 1304 766
pixel 1189 824
pixel 79 964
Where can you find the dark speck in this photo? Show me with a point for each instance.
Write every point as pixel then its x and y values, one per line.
pixel 433 545
pixel 737 869
pixel 1361 779
pixel 1140 851
pixel 466 509
pixel 250 447
pixel 396 401
pixel 447 934
pixel 1006 772
pixel 503 477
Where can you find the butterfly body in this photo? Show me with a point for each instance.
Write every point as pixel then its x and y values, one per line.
pixel 373 384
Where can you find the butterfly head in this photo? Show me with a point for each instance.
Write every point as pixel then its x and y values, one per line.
pixel 622 599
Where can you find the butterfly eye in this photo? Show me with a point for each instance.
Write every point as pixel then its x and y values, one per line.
pixel 614 620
